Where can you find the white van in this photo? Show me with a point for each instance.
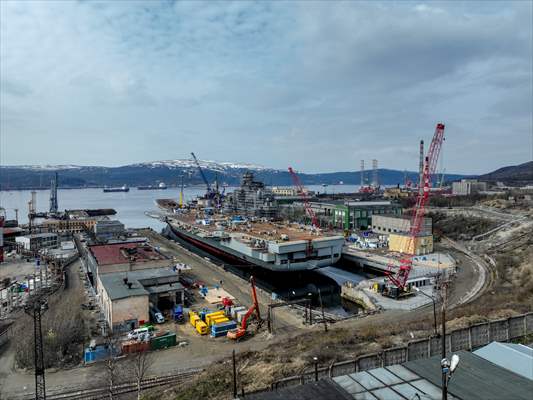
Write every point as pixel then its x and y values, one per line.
pixel 139 332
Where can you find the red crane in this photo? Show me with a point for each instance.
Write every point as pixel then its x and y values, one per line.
pixel 241 332
pixel 304 197
pixel 400 276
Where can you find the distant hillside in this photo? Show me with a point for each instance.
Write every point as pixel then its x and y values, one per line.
pixel 515 174
pixel 170 172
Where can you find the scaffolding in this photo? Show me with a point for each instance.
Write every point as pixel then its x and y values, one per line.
pixel 251 199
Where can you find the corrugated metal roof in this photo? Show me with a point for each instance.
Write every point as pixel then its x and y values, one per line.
pixel 156 280
pixel 324 389
pixel 514 357
pixel 109 254
pixel 475 378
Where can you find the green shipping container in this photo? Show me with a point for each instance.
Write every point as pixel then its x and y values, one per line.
pixel 162 342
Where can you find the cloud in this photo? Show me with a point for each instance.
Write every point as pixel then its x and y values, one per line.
pixel 319 85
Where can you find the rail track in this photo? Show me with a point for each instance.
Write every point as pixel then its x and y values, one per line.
pixel 122 388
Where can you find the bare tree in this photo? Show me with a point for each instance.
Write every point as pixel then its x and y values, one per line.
pixel 140 364
pixel 111 365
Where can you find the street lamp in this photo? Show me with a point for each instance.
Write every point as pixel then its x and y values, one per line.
pixel 448 368
pixel 434 308
pixel 315 360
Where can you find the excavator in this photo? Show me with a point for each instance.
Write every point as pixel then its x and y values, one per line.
pixel 239 333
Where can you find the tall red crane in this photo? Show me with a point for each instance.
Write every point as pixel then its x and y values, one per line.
pixel 304 197
pixel 400 276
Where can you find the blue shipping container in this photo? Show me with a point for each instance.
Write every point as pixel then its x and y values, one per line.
pixel 99 353
pixel 222 328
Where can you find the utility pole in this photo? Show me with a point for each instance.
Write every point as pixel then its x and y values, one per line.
pixel 322 308
pixel 234 375
pixel 444 288
pixel 36 308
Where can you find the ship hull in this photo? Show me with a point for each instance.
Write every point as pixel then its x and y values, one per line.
pixel 116 190
pixel 214 248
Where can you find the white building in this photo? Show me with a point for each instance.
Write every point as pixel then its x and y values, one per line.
pixel 38 241
pixel 467 187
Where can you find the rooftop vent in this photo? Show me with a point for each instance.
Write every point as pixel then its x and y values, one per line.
pixel 129 285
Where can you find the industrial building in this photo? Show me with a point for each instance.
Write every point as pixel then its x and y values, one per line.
pixel 387 224
pixel 466 187
pixel 37 241
pixel 350 215
pixel 108 229
pixel 125 297
pixel 123 257
pixel 403 243
pixel 251 199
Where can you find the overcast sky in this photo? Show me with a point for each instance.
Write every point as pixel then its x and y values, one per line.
pixel 318 86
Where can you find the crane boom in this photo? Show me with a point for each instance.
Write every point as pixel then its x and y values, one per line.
pixel 399 278
pixel 303 195
pixel 201 172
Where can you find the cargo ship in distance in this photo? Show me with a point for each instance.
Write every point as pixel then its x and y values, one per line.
pixel 123 188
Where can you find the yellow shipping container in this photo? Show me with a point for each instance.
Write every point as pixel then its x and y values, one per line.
pixel 209 317
pixel 201 327
pixel 194 319
pixel 218 320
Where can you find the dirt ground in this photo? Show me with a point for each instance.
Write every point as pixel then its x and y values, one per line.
pixel 16 269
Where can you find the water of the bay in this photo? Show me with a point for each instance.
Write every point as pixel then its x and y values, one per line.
pixel 130 206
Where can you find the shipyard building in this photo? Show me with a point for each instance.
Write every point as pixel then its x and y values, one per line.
pixel 353 215
pixel 466 187
pixel 128 277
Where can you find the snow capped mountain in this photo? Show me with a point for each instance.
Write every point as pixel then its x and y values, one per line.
pixel 206 164
pixel 44 167
pixel 170 164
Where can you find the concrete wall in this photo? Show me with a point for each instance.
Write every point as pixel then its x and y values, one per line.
pixel 130 308
pixel 461 339
pixel 116 312
pixel 388 224
pixel 419 246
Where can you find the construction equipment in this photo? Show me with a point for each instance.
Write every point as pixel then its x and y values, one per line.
pixel 304 197
pixel 239 333
pixel 208 186
pixel 399 277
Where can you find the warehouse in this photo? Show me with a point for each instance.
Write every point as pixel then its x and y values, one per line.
pixel 466 187
pixel 122 257
pixel 349 215
pixel 125 297
pixel 37 241
pixel 387 224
